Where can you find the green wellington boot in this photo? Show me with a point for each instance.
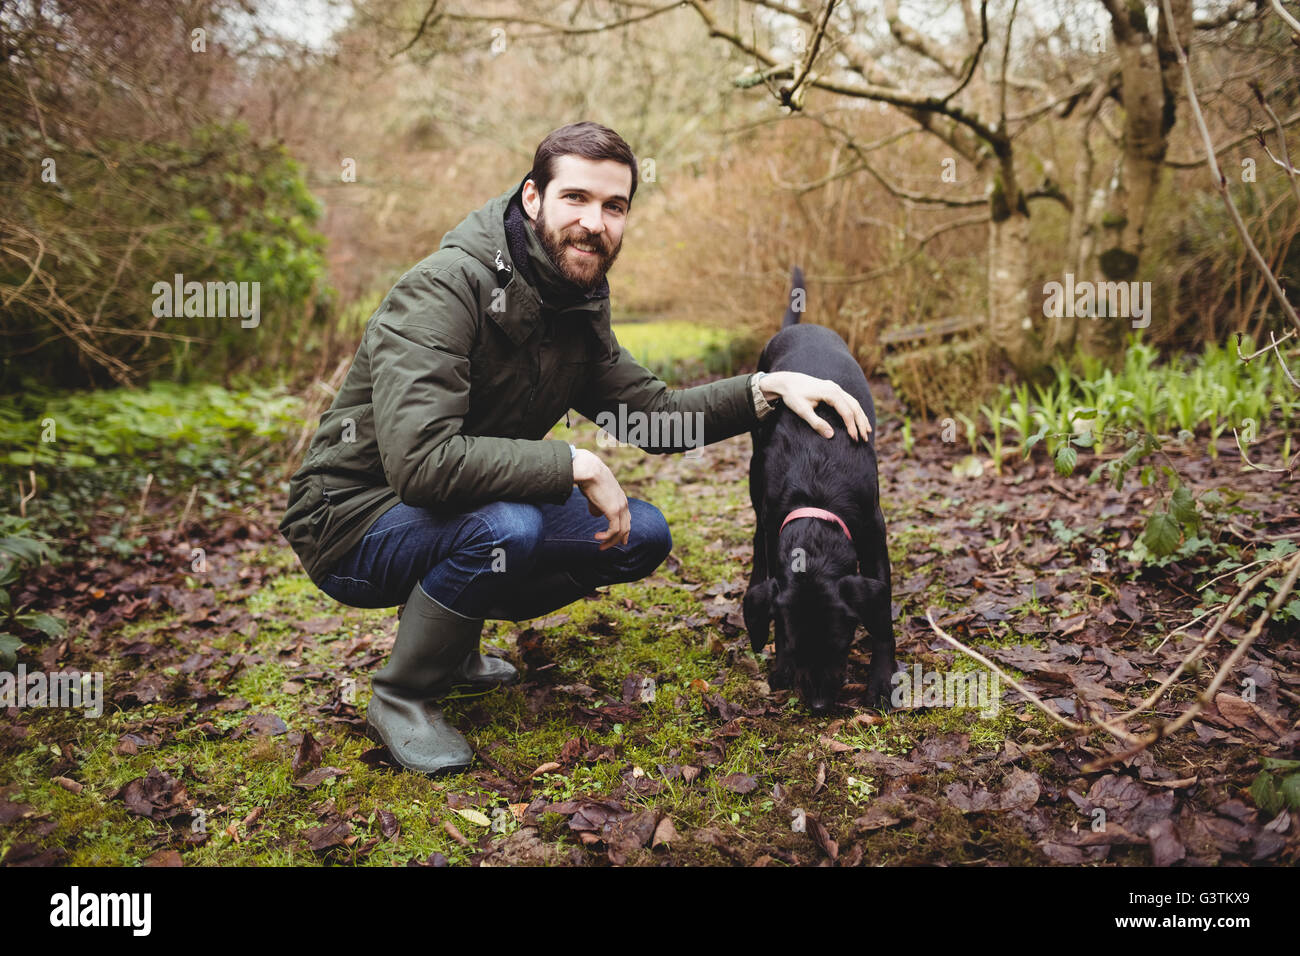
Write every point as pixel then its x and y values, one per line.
pixel 435 648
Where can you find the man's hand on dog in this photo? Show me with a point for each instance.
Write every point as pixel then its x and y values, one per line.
pixel 801 393
pixel 604 497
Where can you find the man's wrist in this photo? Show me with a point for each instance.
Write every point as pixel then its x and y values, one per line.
pixel 763 406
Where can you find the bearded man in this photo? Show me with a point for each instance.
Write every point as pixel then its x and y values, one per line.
pixel 430 481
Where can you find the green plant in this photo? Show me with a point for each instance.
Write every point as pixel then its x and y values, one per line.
pixel 860 791
pixel 1271 796
pixel 21 549
pixel 995 417
pixel 90 446
pixel 1021 415
pixel 972 431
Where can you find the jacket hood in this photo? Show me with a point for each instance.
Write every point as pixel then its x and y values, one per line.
pixel 531 284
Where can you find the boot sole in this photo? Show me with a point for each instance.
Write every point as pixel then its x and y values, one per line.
pixel 373 733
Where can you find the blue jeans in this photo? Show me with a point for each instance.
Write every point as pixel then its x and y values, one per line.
pixel 506 559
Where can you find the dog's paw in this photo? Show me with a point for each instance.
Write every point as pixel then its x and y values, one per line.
pixel 781 678
pixel 879 692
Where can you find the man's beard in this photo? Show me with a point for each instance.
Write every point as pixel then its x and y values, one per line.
pixel 583 271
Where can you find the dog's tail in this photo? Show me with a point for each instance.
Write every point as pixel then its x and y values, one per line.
pixel 798 298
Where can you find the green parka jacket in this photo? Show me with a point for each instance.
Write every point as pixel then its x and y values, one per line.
pixel 461 372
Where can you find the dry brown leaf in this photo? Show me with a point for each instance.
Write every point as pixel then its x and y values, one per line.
pixel 665 832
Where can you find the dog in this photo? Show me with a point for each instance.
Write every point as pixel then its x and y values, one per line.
pixel 821 565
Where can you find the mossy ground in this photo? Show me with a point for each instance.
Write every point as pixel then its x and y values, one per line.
pixel 672 626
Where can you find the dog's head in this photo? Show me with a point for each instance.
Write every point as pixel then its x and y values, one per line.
pixel 816 617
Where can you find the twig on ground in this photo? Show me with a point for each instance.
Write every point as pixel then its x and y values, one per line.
pixel 1288 565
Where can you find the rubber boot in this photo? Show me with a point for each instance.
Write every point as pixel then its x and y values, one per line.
pixel 483 672
pixel 430 653
pixel 479 671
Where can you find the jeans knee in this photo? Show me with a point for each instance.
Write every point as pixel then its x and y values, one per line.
pixel 508 536
pixel 651 540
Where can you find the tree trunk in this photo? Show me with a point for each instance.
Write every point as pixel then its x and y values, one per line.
pixel 1011 326
pixel 1149 88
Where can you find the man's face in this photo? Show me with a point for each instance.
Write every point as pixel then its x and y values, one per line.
pixel 585 208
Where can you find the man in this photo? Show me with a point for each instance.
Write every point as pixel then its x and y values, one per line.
pixel 429 480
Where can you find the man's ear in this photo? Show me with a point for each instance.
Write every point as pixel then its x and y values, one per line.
pixel 860 594
pixel 531 199
pixel 758 612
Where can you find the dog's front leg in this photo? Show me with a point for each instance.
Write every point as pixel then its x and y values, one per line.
pixel 880 621
pixel 880 674
pixel 759 573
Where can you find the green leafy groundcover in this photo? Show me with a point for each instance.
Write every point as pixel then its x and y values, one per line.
pixel 190 423
pixel 94 456
pixel 84 460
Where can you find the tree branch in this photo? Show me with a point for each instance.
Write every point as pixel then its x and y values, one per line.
pixel 869 91
pixel 1191 163
pixel 550 26
pixel 915 41
pixel 790 94
pixel 1221 183
pixel 975 57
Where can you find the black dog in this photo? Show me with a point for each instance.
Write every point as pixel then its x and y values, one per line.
pixel 819 574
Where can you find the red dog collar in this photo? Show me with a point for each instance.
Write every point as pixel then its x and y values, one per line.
pixel 816 513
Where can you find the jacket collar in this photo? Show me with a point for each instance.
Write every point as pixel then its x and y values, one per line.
pixel 529 278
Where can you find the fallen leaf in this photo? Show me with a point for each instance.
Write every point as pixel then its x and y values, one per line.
pixel 740 783
pixel 164 858
pixel 665 832
pixel 328 836
pixel 475 817
pixel 1021 791
pixel 455 834
pixel 823 839
pixel 157 795
pixel 308 756
pixel 314 778
pixel 68 784
pixel 1166 848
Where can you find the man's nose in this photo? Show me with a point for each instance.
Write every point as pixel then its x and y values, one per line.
pixel 592 221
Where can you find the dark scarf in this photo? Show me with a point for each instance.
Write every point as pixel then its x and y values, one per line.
pixel 532 260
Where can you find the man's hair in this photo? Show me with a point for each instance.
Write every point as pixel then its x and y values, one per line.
pixel 586 139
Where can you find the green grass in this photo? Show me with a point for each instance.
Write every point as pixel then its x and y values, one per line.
pixel 678 351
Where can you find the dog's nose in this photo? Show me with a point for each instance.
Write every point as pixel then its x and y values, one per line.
pixel 819 706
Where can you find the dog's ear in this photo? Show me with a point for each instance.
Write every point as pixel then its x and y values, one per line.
pixel 758 612
pixel 861 594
